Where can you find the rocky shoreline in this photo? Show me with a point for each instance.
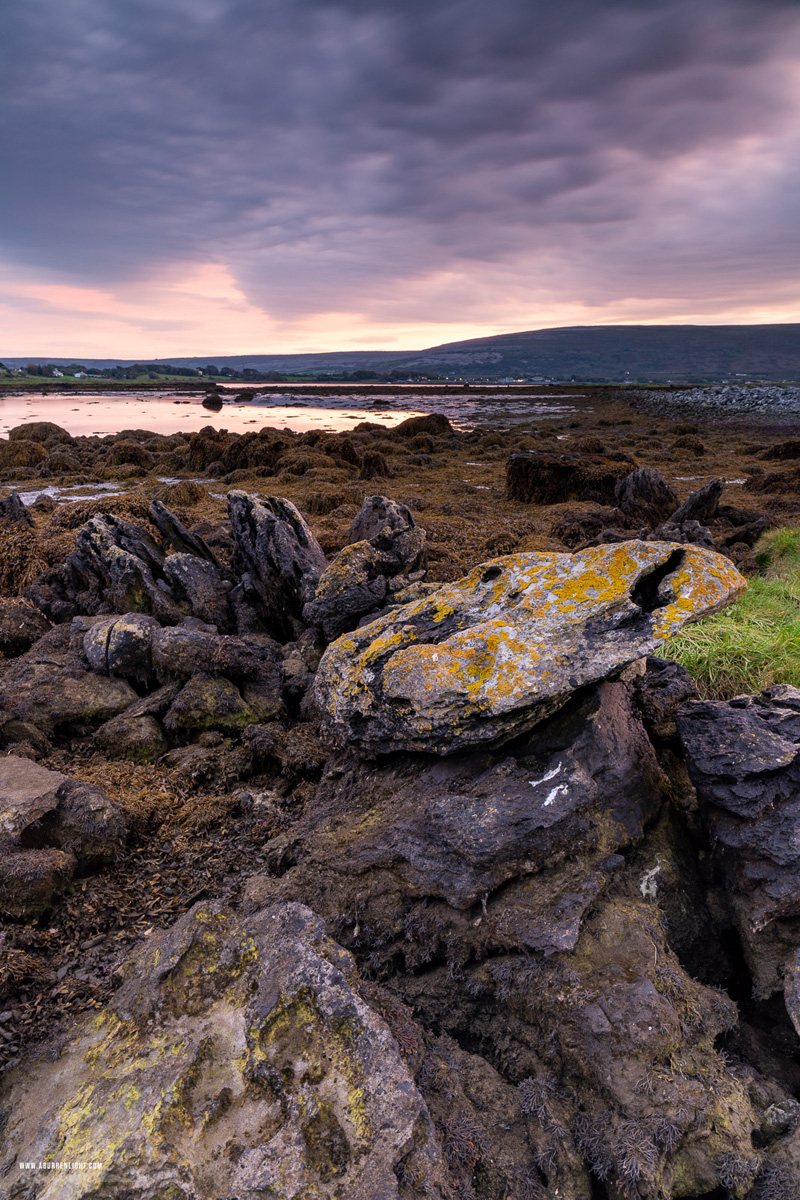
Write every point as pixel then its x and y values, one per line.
pixel 769 404
pixel 334 868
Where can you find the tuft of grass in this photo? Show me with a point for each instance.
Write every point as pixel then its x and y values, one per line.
pixel 756 642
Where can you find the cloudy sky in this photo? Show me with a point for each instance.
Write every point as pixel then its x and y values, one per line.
pixel 222 176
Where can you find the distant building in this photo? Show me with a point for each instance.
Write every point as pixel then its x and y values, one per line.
pixel 80 375
pixel 57 374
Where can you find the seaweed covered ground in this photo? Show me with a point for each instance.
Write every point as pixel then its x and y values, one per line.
pixel 250 819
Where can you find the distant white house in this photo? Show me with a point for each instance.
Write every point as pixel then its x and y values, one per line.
pixel 57 374
pixel 80 375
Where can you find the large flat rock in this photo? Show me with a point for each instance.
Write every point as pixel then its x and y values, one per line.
pixel 27 792
pixel 237 1059
pixel 487 657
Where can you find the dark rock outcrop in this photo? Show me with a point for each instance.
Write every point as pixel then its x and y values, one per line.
pixel 20 626
pixel 49 824
pixel 389 555
pixel 701 506
pixel 255 1029
pixel 645 498
pixel 279 557
pixel 487 890
pixel 14 512
pixel 51 686
pixel 743 757
pixel 548 477
pixel 376 514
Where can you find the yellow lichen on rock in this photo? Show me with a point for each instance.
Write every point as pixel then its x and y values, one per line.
pixel 491 654
pixel 240 1060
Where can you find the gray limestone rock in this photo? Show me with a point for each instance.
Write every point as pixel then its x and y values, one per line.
pixel 282 558
pixel 179 537
pixel 48 825
pixel 200 586
pixel 359 579
pixel 122 645
pixel 130 564
pixel 487 657
pixel 375 514
pixel 255 1029
pixel 701 506
pixel 645 497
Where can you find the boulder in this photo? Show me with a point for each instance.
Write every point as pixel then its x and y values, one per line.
pixel 237 1058
pixel 130 564
pixel 207 702
pixel 182 540
pixel 20 626
pixel 49 824
pixel 690 533
pixel 486 658
pixel 550 477
pixel 536 826
pixel 743 758
pixel 645 497
pixel 118 566
pixel 500 894
pixel 375 514
pixel 183 650
pixel 50 687
pixel 701 505
pixel 362 575
pixel 140 739
pixel 14 512
pixel 280 556
pixel 122 645
pixel 198 585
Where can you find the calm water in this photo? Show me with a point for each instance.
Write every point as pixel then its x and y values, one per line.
pixel 163 412
pixel 102 414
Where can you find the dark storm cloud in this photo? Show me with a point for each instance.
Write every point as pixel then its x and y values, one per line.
pixel 329 152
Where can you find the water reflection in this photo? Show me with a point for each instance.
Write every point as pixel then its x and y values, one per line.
pixel 164 412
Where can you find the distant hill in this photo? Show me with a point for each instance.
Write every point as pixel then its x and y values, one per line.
pixel 604 353
pixel 623 352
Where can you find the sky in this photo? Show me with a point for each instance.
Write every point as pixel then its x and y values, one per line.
pixel 182 177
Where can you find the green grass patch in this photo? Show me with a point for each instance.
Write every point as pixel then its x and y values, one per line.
pixel 756 642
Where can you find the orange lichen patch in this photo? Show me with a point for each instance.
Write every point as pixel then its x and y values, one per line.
pixel 501 648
